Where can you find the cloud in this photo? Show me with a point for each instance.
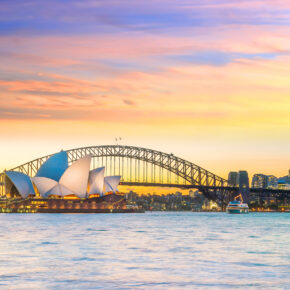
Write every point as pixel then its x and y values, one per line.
pixel 244 92
pixel 112 54
pixel 192 60
pixel 54 17
pixel 129 102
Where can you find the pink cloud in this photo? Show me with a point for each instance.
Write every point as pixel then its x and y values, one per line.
pixel 98 53
pixel 180 94
pixel 277 4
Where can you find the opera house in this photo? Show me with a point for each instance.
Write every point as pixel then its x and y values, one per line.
pixel 58 187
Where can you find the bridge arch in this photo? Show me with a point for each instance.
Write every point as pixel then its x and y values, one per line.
pixel 188 171
pixel 190 174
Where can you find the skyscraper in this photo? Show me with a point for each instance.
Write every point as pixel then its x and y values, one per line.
pixel 233 178
pixel 243 180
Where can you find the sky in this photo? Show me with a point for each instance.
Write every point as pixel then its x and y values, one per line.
pixel 206 80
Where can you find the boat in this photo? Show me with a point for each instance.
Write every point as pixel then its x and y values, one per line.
pixel 237 207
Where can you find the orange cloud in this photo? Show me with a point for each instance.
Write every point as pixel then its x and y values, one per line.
pixel 240 93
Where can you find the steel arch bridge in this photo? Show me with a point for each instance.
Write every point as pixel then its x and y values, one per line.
pixel 142 166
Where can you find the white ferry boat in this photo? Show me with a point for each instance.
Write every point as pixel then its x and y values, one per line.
pixel 237 206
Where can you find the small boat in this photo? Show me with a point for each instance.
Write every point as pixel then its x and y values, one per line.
pixel 237 206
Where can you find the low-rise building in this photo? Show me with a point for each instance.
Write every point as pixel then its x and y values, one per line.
pixel 260 181
pixel 272 182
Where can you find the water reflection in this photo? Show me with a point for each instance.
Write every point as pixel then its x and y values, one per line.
pixel 152 250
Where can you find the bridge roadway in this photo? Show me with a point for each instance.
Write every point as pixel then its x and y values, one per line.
pixel 196 186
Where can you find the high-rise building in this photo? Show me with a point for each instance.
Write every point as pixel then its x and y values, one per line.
pixel 240 179
pixel 243 181
pixel 233 178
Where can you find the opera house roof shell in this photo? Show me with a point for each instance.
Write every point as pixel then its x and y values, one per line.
pixel 55 177
pixel 21 181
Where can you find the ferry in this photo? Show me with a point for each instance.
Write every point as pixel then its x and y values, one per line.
pixel 237 206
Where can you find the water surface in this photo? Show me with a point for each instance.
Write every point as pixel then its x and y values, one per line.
pixel 145 251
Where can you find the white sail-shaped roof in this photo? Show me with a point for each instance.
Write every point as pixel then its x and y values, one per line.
pixel 22 182
pixel 75 178
pixel 54 166
pixel 44 184
pixel 96 181
pixel 56 190
pixel 73 181
pixel 61 190
pixel 111 183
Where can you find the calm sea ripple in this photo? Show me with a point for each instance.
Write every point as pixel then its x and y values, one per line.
pixel 140 251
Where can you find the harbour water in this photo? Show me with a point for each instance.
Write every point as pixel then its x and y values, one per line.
pixel 159 250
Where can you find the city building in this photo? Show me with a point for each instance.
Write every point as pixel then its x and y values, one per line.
pixel 233 178
pixel 193 193
pixel 284 182
pixel 260 181
pixel 210 205
pixel 131 196
pixel 243 181
pixel 272 182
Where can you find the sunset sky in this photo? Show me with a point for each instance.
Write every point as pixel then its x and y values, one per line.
pixel 206 80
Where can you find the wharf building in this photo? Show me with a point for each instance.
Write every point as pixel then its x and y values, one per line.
pixel 284 182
